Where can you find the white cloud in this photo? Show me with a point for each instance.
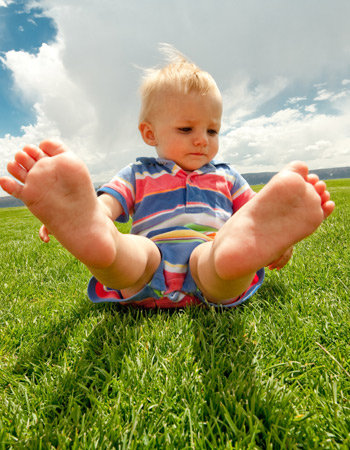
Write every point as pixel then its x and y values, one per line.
pixel 324 94
pixel 294 100
pixel 272 141
pixel 319 146
pixel 5 3
pixel 310 108
pixel 32 21
pixel 61 107
pixel 243 98
pixel 42 78
pixel 340 95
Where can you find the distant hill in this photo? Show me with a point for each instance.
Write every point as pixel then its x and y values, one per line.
pixel 8 202
pixel 252 178
pixel 324 174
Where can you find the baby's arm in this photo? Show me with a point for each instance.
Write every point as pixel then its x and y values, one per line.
pixel 111 206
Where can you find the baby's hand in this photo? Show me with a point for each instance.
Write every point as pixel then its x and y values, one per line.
pixel 282 260
pixel 44 234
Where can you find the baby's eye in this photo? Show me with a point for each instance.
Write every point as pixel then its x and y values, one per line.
pixel 185 129
pixel 212 132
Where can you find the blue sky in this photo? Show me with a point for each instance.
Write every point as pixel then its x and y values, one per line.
pixel 70 69
pixel 26 31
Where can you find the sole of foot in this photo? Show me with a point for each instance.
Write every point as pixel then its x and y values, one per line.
pixel 287 210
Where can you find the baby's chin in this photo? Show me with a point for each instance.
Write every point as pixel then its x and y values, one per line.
pixel 193 165
pixel 190 162
pixel 190 167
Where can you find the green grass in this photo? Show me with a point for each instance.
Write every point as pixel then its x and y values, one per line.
pixel 273 373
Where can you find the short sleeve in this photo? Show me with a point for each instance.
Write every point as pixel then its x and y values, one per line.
pixel 122 188
pixel 241 192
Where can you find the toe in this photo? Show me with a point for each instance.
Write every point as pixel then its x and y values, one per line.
pixel 34 152
pixel 328 208
pixel 17 171
pixel 25 160
pixel 320 187
pixel 11 186
pixel 325 196
pixel 312 178
pixel 299 167
pixel 52 148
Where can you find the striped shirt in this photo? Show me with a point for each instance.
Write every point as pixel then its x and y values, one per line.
pixel 158 194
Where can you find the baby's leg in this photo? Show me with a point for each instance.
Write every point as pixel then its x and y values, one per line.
pixel 288 209
pixel 56 187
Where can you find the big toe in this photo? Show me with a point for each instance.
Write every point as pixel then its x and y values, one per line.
pixel 298 167
pixel 52 148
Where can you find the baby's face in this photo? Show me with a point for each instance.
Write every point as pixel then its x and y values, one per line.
pixel 186 128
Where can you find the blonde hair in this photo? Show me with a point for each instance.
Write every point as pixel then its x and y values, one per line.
pixel 180 75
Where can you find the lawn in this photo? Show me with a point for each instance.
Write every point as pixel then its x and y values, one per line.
pixel 273 373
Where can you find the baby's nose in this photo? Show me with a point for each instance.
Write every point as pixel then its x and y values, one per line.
pixel 201 139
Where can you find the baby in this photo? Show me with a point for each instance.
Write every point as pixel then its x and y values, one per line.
pixel 199 234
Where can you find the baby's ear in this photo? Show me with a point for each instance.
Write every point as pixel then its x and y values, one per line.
pixel 147 133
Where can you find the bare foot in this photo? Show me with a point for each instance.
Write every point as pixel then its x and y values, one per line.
pixel 56 187
pixel 288 209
